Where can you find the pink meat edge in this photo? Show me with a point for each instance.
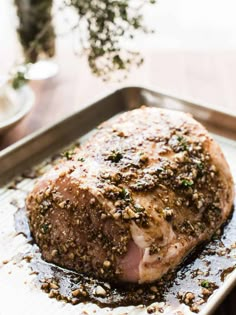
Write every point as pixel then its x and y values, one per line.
pixel 129 264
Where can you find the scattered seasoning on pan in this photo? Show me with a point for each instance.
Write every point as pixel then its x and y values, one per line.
pixel 205 284
pixel 73 288
pixel 226 272
pixel 155 308
pixel 164 176
pixel 80 159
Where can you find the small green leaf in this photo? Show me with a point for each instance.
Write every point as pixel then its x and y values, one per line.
pixel 115 156
pixel 205 284
pixel 81 159
pixel 68 154
pixel 187 182
pixel 19 80
pixel 44 228
pixel 124 194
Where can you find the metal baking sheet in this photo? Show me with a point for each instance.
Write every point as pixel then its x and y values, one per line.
pixel 35 152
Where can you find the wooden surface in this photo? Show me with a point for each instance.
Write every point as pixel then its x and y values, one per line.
pixel 207 77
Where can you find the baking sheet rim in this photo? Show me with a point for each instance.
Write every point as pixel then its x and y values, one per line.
pixel 103 95
pixel 230 281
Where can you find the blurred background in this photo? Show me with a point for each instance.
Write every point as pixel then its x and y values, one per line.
pixel 192 54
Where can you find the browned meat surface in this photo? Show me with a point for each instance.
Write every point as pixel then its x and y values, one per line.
pixel 133 201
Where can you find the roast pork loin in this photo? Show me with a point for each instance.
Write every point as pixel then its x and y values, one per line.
pixel 134 200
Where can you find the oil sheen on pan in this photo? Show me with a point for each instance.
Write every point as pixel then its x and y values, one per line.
pixel 124 210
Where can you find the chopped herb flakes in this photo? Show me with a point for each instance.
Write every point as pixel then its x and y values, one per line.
pixel 115 156
pixel 68 154
pixel 124 194
pixel 138 208
pixel 19 80
pixel 44 228
pixel 205 284
pixel 81 159
pixel 182 142
pixel 178 143
pixel 187 182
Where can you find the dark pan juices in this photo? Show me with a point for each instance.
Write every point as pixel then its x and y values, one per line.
pixel 192 284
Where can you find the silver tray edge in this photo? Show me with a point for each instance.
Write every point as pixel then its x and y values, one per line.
pixel 15 149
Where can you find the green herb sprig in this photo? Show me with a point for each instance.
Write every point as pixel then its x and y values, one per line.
pixel 103 25
pixel 18 80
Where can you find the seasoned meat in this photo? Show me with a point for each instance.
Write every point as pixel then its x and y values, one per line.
pixel 133 201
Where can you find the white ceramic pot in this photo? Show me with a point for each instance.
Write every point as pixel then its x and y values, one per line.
pixel 14 104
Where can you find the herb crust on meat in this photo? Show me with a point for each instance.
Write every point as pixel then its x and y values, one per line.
pixel 135 199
